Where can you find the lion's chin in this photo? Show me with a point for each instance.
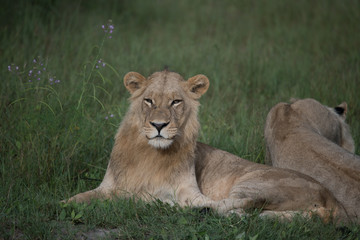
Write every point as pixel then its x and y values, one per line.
pixel 160 142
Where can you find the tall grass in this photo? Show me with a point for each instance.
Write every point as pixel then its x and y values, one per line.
pixel 56 138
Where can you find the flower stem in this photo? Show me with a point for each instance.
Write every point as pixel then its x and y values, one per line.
pixel 87 79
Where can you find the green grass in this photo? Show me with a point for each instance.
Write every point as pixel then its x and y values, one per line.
pixel 55 140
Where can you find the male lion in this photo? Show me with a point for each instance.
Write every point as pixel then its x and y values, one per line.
pixel 156 155
pixel 313 139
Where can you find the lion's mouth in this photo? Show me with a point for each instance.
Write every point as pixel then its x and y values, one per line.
pixel 160 141
pixel 159 137
pixel 156 137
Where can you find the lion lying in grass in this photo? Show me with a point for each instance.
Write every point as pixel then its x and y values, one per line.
pixel 313 139
pixel 156 156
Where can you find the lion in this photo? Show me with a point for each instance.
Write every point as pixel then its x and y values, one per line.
pixel 314 139
pixel 156 156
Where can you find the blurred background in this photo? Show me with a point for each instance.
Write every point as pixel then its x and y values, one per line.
pixel 62 63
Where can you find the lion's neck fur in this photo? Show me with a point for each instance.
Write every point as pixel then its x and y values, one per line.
pixel 139 166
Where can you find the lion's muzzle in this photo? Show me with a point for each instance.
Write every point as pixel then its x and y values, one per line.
pixel 159 126
pixel 160 134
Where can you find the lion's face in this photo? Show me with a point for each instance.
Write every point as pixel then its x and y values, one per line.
pixel 166 105
pixel 163 107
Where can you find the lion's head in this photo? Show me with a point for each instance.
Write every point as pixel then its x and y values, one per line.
pixel 164 106
pixel 328 122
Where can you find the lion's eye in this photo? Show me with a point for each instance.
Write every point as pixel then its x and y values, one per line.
pixel 176 102
pixel 148 101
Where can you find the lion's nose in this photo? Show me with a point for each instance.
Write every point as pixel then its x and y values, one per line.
pixel 159 126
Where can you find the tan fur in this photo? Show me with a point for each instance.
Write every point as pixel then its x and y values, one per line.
pixel 313 139
pixel 156 155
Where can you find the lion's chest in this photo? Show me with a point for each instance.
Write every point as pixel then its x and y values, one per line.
pixel 148 180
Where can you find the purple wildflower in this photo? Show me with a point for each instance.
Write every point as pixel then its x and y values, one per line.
pixel 100 63
pixel 36 72
pixel 108 28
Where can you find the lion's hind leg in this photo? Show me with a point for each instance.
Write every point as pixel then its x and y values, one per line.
pixel 282 215
pixel 234 205
pixel 269 214
pixel 325 214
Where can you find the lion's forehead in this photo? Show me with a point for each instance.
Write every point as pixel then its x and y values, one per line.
pixel 165 86
pixel 166 75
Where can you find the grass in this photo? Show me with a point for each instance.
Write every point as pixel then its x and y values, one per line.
pixel 55 140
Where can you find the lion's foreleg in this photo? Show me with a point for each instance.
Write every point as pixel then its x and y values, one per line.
pixel 104 191
pixel 86 197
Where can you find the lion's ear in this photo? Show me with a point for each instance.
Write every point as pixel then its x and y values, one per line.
pixel 198 85
pixel 341 109
pixel 133 81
